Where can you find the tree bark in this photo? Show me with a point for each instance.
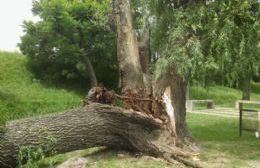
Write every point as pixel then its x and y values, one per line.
pixel 172 86
pixel 144 51
pixel 188 91
pixel 164 98
pixel 127 48
pixel 90 71
pixel 91 126
pixel 246 89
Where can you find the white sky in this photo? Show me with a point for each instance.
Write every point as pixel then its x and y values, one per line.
pixel 12 14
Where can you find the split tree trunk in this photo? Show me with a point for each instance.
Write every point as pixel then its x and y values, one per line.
pixel 134 76
pixel 172 87
pixel 91 126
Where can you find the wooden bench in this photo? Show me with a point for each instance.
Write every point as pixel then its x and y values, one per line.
pixel 190 104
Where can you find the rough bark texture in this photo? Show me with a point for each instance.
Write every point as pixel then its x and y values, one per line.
pixel 127 48
pixel 91 126
pixel 94 125
pixel 144 50
pixel 170 84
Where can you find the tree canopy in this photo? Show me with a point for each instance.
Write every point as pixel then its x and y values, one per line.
pixel 210 41
pixel 68 32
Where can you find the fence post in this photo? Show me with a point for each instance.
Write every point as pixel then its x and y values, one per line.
pixel 240 105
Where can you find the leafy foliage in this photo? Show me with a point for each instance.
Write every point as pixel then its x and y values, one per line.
pixel 67 32
pixel 208 39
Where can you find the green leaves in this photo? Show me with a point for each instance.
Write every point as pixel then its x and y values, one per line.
pixel 202 40
pixel 67 32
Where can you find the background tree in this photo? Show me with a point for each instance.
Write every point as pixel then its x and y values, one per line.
pixel 209 41
pixel 234 41
pixel 71 41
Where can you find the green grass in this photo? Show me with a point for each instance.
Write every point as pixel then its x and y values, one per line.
pixel 255 87
pixel 222 96
pixel 220 143
pixel 21 95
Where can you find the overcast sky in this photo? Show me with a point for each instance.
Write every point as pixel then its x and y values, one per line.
pixel 12 14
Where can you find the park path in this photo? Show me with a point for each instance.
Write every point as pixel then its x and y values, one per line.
pixel 219 111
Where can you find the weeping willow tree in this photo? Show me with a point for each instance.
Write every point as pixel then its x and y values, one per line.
pixel 234 41
pixel 205 39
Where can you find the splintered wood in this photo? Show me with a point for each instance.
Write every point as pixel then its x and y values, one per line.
pixel 131 100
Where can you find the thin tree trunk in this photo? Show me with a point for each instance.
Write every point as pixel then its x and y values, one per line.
pixel 88 65
pixel 90 71
pixel 188 91
pixel 246 89
pixel 144 50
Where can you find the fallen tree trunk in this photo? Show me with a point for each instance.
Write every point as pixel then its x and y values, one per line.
pixel 90 126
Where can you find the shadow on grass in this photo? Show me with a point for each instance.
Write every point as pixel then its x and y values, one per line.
pixel 221 135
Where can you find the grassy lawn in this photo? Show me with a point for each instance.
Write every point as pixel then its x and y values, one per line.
pixel 220 143
pixel 21 95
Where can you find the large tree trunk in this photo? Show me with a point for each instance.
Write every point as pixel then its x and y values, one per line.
pixel 91 126
pixel 127 49
pixel 167 97
pixel 172 88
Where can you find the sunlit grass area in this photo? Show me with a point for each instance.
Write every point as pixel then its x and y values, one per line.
pixel 220 143
pixel 21 95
